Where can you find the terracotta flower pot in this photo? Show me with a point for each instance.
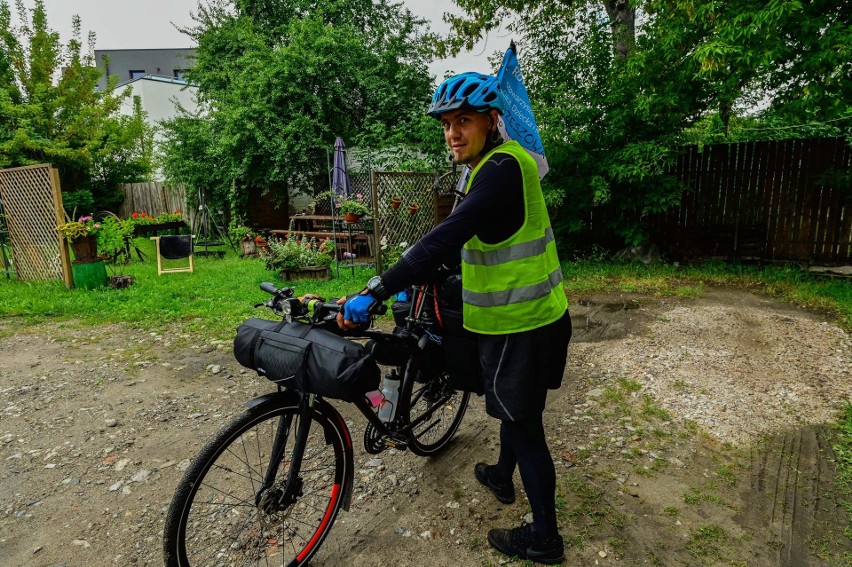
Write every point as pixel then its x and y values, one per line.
pixel 413 208
pixel 395 202
pixel 351 217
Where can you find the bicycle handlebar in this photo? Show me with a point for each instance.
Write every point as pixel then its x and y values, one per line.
pixel 269 288
pixel 306 305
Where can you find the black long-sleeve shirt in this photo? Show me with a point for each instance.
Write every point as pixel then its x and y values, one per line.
pixel 493 210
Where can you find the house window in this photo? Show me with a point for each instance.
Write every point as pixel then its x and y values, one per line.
pixel 179 74
pixel 135 74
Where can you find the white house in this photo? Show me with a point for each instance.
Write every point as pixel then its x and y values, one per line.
pixel 159 97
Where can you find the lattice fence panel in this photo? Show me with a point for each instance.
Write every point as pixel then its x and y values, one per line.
pixel 33 205
pixel 397 228
pixel 359 183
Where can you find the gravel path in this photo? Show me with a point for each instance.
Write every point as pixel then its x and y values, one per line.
pixel 97 425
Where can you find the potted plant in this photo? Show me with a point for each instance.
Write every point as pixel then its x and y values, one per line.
pixel 114 248
pixel 262 245
pixel 395 202
pixel 245 236
pixel 82 237
pixel 352 209
pixel 300 258
pixel 413 208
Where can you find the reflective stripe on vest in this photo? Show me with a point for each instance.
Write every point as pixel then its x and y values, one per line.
pixel 515 252
pixel 515 295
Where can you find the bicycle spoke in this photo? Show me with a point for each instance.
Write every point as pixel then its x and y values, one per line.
pixel 233 515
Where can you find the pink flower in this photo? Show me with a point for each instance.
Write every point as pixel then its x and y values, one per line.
pixel 359 196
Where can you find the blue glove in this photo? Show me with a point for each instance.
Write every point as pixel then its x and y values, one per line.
pixel 356 308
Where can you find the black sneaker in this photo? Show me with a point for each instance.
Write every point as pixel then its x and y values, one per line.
pixel 524 544
pixel 505 492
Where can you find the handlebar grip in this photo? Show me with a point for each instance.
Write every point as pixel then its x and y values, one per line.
pixel 269 288
pixel 331 307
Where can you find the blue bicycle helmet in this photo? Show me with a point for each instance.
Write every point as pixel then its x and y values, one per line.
pixel 468 90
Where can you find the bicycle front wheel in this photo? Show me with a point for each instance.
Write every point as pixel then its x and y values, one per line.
pixel 234 508
pixel 435 410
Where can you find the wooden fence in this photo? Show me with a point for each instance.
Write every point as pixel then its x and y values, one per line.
pixel 154 198
pixel 774 200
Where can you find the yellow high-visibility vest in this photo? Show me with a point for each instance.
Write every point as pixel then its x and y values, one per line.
pixel 514 285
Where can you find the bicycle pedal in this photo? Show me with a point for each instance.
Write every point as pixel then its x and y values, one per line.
pixel 395 443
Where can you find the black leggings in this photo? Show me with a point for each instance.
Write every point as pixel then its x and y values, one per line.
pixel 522 443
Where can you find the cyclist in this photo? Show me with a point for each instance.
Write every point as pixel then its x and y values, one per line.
pixel 512 299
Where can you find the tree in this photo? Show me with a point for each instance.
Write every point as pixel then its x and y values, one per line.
pixel 280 79
pixel 619 85
pixel 51 112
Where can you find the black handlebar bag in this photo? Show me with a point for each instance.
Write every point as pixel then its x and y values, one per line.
pixel 306 358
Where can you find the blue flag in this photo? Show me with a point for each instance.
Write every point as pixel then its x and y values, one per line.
pixel 518 121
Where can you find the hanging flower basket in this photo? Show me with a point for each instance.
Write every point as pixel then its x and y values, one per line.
pixel 85 249
pixel 351 217
pixel 413 208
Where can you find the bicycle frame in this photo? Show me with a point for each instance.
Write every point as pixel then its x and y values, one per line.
pixel 395 433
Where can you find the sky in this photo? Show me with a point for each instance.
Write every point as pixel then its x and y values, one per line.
pixel 148 24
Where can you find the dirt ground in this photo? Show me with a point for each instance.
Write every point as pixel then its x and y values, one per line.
pixel 688 431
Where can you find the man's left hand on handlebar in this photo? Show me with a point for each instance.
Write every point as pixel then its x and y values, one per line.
pixel 356 310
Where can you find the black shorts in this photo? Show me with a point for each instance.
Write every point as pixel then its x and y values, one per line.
pixel 519 368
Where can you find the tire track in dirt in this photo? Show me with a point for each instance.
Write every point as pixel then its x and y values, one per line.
pixel 789 493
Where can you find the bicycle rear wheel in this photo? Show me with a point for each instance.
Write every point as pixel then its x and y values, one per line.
pixel 222 514
pixel 436 410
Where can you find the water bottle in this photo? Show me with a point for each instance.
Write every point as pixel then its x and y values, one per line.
pixel 390 391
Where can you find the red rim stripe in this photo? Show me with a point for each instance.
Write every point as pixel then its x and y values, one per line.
pixel 335 492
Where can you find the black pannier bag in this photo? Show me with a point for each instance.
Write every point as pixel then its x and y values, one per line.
pixel 461 353
pixel 312 359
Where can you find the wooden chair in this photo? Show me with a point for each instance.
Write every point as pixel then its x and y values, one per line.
pixel 174 247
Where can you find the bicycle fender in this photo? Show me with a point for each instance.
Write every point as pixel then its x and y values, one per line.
pixel 330 411
pixel 283 397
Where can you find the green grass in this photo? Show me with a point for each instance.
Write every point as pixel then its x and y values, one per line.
pixel 704 541
pixel 211 301
pixel 221 291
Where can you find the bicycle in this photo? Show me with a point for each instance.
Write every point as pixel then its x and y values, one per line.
pixel 268 487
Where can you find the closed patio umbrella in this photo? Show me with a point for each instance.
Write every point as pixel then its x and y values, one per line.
pixel 339 175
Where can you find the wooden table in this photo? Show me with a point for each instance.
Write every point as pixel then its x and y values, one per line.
pixel 312 223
